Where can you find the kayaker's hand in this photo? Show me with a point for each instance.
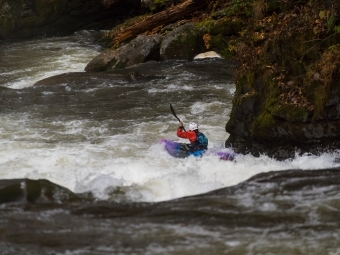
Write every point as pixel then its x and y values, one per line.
pixel 180 124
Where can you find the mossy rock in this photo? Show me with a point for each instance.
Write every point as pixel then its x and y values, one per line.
pixel 221 35
pixel 224 26
pixel 137 51
pixel 184 42
pixel 263 125
pixel 291 113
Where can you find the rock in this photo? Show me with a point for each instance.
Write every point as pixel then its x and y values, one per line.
pixel 182 43
pixel 209 54
pixel 139 50
pixel 295 107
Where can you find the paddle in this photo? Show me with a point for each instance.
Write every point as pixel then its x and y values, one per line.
pixel 173 113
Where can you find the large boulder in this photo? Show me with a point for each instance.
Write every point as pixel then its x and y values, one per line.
pixel 184 42
pixel 287 97
pixel 139 50
pixel 29 18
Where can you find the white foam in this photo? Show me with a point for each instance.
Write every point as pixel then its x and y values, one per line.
pixel 135 161
pixel 33 65
pixel 152 176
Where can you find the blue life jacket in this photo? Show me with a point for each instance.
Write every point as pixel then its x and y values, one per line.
pixel 202 141
pixel 200 144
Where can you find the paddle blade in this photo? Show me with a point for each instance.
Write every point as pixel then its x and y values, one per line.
pixel 174 113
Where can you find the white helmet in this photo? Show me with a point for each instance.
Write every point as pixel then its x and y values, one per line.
pixel 192 126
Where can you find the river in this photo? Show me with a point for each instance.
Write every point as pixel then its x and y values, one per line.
pixel 90 144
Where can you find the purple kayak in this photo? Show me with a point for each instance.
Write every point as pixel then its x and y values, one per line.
pixel 179 150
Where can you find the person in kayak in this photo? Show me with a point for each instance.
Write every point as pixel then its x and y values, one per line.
pixel 198 141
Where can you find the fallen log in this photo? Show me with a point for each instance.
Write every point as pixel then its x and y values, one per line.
pixel 165 17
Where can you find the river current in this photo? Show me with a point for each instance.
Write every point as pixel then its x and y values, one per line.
pixel 98 135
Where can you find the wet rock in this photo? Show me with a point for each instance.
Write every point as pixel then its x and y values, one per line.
pixel 37 192
pixel 183 43
pixel 139 50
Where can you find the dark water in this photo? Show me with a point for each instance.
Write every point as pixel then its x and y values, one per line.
pixel 287 212
pixel 82 170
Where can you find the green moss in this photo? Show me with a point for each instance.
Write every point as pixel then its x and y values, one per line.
pixel 227 27
pixel 156 5
pixel 245 82
pixel 224 26
pixel 206 25
pixel 321 80
pixel 320 97
pixel 291 113
pixel 263 124
pixel 187 40
pixel 223 44
pixel 183 43
pixel 337 29
pixel 269 87
pixel 239 8
pixel 220 35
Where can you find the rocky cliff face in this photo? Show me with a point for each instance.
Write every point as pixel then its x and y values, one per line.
pixel 29 18
pixel 288 81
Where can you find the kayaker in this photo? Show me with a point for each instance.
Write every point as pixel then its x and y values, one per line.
pixel 198 141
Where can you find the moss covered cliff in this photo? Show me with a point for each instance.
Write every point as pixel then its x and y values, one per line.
pixel 288 78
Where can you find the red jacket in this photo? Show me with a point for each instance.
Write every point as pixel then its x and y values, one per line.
pixel 191 135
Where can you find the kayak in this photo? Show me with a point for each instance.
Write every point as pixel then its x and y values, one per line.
pixel 179 150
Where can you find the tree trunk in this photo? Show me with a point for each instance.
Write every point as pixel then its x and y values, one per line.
pixel 162 18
